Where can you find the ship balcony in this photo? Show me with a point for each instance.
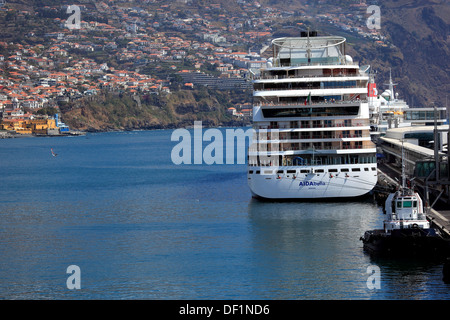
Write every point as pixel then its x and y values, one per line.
pixel 302 104
pixel 304 92
pixel 289 86
pixel 313 148
pixel 314 124
pixel 313 77
pixel 330 66
pixel 313 138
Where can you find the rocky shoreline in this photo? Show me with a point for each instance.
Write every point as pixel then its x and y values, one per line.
pixel 184 125
pixel 13 134
pixel 6 135
pixel 206 125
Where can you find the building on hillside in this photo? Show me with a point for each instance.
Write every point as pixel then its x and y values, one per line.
pixel 231 111
pixel 247 112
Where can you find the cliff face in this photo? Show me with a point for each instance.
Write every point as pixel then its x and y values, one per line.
pixel 107 112
pixel 419 30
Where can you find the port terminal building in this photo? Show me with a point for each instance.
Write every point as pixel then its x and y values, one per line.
pixel 423 150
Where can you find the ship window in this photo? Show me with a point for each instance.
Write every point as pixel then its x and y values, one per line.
pixel 250 172
pixel 280 171
pixel 366 169
pixel 356 169
pixel 258 172
pixel 291 171
pixel 414 204
pixel 319 171
pixel 268 172
pixel 309 110
pixel 373 168
pixel 344 170
pixel 399 204
pixel 332 170
pixel 304 171
pixel 407 204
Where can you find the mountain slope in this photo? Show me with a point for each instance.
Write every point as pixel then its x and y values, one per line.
pixel 420 32
pixel 124 112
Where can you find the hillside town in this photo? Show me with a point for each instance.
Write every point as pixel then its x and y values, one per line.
pixel 148 47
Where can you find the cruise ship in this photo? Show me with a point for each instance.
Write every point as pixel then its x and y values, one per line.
pixel 386 110
pixel 311 122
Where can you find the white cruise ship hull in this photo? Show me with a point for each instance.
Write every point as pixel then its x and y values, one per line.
pixel 269 184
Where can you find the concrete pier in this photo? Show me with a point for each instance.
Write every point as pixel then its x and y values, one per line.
pixel 440 219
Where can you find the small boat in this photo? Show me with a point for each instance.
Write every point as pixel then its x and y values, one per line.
pixel 53 153
pixel 406 231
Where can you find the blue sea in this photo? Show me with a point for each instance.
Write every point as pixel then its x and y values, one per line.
pixel 140 227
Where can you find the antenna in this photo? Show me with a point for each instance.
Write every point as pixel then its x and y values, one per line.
pixel 391 86
pixel 436 143
pixel 403 169
pixel 308 49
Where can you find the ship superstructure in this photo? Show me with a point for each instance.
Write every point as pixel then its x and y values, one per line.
pixel 386 110
pixel 311 123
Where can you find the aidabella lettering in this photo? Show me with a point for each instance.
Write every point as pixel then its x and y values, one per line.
pixel 311 183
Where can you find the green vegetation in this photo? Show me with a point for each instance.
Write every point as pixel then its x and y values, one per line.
pixel 116 111
pixel 49 111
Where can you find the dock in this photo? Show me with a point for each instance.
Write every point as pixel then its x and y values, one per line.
pixel 6 135
pixel 440 219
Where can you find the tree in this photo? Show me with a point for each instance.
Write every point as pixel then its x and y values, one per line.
pixel 49 111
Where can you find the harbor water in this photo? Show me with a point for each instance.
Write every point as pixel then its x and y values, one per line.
pixel 140 227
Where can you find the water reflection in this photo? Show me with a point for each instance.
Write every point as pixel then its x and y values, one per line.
pixel 187 232
pixel 411 278
pixel 311 250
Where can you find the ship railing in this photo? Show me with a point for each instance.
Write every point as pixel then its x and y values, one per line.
pixel 277 64
pixel 307 88
pixel 302 164
pixel 277 77
pixel 319 135
pixel 322 136
pixel 360 123
pixel 302 104
pixel 315 151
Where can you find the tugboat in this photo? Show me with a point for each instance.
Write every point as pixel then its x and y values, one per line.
pixel 406 232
